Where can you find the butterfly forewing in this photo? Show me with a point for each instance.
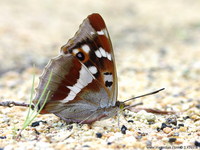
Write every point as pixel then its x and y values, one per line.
pixel 92 46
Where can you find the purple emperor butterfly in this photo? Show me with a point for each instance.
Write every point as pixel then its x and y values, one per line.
pixel 83 86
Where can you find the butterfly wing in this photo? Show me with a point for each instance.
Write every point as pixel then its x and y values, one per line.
pixel 93 47
pixel 83 76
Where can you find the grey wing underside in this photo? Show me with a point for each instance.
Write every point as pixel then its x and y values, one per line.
pixel 68 100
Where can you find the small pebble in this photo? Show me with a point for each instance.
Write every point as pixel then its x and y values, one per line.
pixel 2 137
pixel 37 123
pixel 176 134
pixel 158 129
pixel 145 116
pixel 164 125
pixel 151 122
pixel 178 142
pixel 198 106
pixel 142 134
pixel 148 143
pixel 86 146
pixel 114 137
pixel 85 127
pixel 69 127
pixel 130 121
pixel 172 140
pixel 172 120
pixel 99 135
pixel 195 117
pixel 197 143
pixel 138 137
pixel 183 129
pixel 38 133
pixel 123 129
pixel 181 125
pixel 167 130
pixel 186 117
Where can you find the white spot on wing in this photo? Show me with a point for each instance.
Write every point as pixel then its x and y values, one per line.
pixel 106 33
pixel 78 84
pixel 98 54
pixel 84 79
pixel 103 52
pixel 86 48
pixel 100 32
pixel 103 32
pixel 69 97
pixel 92 33
pixel 93 69
pixel 74 88
pixel 108 56
pixel 108 78
pixel 81 82
pixel 75 51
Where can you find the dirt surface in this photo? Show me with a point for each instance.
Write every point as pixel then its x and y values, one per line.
pixel 156 44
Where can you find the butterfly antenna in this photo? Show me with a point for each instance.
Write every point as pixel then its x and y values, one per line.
pixel 151 93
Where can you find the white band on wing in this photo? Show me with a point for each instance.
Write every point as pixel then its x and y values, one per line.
pixel 84 79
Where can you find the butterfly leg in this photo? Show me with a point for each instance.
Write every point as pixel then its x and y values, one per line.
pixel 118 119
pixel 124 116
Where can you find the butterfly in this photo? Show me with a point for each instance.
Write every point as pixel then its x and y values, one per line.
pixel 83 86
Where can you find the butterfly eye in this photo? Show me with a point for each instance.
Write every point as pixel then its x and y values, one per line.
pixel 80 56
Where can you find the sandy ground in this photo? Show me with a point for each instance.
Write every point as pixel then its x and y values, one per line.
pixel 156 44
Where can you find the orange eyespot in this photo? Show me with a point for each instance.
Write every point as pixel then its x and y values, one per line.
pixel 80 56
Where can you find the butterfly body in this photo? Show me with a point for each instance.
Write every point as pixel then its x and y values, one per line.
pixel 83 87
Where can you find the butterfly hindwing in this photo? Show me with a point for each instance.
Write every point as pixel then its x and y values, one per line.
pixel 72 97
